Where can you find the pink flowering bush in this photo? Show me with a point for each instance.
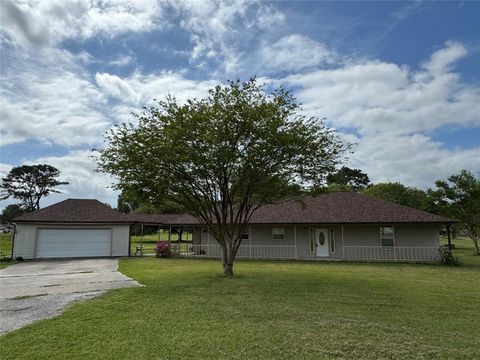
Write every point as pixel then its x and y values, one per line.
pixel 162 249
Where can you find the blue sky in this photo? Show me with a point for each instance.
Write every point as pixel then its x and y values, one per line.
pixel 401 80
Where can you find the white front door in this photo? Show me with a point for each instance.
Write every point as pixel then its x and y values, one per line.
pixel 321 242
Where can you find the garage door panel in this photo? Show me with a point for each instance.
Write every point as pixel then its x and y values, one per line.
pixel 73 242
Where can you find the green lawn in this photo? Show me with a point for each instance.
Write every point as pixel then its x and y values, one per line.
pixel 6 249
pixel 280 310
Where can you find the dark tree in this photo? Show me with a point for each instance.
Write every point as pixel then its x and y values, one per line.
pixel 401 194
pixel 222 157
pixel 347 178
pixel 459 197
pixel 11 211
pixel 29 183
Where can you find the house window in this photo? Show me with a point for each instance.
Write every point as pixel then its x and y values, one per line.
pixel 386 235
pixel 244 236
pixel 332 242
pixel 278 233
pixel 311 239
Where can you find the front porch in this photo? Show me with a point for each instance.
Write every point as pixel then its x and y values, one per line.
pixel 308 242
pixel 289 252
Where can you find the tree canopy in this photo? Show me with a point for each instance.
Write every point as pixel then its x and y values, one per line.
pixel 29 183
pixel 348 179
pixel 11 211
pixel 222 157
pixel 401 194
pixel 459 197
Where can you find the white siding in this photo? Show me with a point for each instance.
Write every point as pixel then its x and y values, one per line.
pixel 120 240
pixel 25 241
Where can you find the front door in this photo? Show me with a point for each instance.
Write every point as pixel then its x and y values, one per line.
pixel 321 242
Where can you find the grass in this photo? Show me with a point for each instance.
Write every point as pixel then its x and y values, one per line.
pixel 6 249
pixel 280 310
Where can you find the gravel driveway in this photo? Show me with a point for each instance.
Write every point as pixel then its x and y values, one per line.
pixel 37 290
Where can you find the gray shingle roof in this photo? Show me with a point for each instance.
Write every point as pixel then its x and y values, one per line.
pixel 75 211
pixel 331 208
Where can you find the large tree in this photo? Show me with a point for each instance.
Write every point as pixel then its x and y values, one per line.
pixel 29 183
pixel 222 157
pixel 459 197
pixel 354 179
pixel 11 211
pixel 401 194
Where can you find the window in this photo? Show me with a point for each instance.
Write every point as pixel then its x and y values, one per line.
pixel 311 239
pixel 332 242
pixel 278 233
pixel 244 236
pixel 386 235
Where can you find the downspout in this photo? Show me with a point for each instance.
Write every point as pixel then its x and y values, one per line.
pixel 129 241
pixel 13 240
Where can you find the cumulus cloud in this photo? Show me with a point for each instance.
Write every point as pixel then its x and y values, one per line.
pixel 377 97
pixel 116 87
pixel 393 109
pixel 217 28
pixel 442 60
pixel 46 96
pixel 295 52
pixel 144 88
pixel 38 22
pixel 79 170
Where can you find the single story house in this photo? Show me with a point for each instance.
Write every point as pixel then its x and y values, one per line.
pixel 333 226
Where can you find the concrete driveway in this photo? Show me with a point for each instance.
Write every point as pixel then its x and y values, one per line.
pixel 37 290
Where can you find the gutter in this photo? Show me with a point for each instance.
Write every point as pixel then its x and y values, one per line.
pixel 13 240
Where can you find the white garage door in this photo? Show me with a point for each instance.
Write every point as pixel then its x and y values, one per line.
pixel 57 243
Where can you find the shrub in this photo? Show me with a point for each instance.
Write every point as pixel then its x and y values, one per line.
pixel 447 257
pixel 163 249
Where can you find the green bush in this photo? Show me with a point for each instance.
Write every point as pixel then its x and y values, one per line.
pixel 447 257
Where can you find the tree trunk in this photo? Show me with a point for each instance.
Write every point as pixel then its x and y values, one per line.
pixel 227 260
pixel 475 245
pixel 228 269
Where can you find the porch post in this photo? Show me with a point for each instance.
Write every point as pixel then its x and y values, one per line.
pixel 394 244
pixel 179 231
pixel 208 242
pixel 448 236
pixel 295 238
pixel 141 241
pixel 169 234
pixel 250 241
pixel 343 246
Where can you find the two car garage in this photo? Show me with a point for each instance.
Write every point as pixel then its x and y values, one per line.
pixel 59 243
pixel 71 229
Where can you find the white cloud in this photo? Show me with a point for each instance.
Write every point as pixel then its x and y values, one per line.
pixel 218 28
pixel 442 59
pixel 393 109
pixel 78 169
pixel 46 96
pixel 142 89
pixel 295 52
pixel 40 22
pixel 116 87
pixel 376 97
pixel 122 60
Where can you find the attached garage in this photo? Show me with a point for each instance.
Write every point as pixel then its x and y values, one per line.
pixel 71 229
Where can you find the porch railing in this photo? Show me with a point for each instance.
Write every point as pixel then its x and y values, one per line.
pixel 245 251
pixel 402 253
